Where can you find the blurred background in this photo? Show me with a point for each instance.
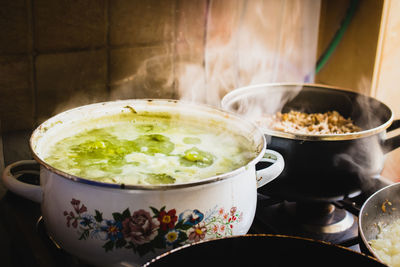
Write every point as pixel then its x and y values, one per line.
pixel 55 55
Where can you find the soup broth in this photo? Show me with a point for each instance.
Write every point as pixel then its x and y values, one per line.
pixel 151 149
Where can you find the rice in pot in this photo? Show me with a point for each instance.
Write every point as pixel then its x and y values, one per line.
pixel 330 122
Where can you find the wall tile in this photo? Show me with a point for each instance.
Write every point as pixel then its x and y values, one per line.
pixel 64 24
pixel 141 22
pixel 16 146
pixel 191 21
pixel 14 27
pixel 16 94
pixel 190 30
pixel 141 72
pixel 69 80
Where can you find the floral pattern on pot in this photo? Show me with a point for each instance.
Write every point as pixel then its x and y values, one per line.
pixel 144 231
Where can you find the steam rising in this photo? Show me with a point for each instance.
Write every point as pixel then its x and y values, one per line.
pixel 365 157
pixel 222 45
pixel 216 46
pixel 253 42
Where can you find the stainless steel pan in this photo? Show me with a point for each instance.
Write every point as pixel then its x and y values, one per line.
pixel 382 207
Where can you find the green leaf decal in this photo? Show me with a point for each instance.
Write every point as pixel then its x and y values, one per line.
pixel 84 235
pixel 117 216
pixel 126 214
pixel 99 216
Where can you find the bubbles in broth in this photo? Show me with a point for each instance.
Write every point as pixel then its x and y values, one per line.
pixel 151 149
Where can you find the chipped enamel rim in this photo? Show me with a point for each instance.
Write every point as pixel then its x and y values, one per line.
pixel 111 107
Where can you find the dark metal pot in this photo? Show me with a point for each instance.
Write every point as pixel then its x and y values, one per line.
pixel 382 207
pixel 321 167
pixel 263 250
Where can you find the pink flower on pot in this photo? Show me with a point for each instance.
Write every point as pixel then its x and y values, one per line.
pixel 139 228
pixel 233 210
pixel 76 204
pixel 240 216
pixel 215 228
pixel 198 233
pixel 222 228
pixel 221 211
pixel 71 217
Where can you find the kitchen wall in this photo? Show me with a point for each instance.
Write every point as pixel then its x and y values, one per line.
pixel 351 65
pixel 56 55
pixel 60 54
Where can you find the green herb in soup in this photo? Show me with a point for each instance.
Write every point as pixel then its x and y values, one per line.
pixel 149 150
pixel 195 156
pixel 159 178
pixel 191 140
pixel 152 144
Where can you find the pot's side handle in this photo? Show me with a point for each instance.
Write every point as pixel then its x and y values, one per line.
pixel 393 142
pixel 267 174
pixel 16 169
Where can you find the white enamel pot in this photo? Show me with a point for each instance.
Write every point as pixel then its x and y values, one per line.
pixel 126 225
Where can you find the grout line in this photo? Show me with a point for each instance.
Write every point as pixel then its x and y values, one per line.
pixel 175 17
pixel 1 151
pixel 108 49
pixel 86 49
pixel 32 59
pixel 205 39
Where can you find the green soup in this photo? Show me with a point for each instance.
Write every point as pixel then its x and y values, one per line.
pixel 151 149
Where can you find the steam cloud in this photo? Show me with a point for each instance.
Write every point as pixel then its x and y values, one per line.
pixel 253 42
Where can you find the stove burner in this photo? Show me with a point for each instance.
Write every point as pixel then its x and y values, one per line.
pixel 317 220
pixel 327 219
pixel 319 217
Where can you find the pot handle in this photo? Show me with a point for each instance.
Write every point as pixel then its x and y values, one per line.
pixel 10 179
pixel 267 174
pixel 393 142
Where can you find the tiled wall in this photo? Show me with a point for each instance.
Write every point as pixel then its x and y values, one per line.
pixel 60 54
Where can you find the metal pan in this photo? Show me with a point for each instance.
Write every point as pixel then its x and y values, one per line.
pixel 382 207
pixel 321 167
pixel 263 250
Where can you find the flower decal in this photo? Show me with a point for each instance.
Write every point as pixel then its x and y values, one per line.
pixel 198 233
pixel 171 237
pixel 144 231
pixel 73 218
pixel 78 209
pixel 167 219
pixel 113 230
pixel 191 217
pixel 87 219
pixel 139 228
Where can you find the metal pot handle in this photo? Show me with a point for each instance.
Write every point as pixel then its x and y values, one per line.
pixel 393 142
pixel 15 170
pixel 267 174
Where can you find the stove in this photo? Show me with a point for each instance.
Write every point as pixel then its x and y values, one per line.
pixel 334 221
pixel 25 242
